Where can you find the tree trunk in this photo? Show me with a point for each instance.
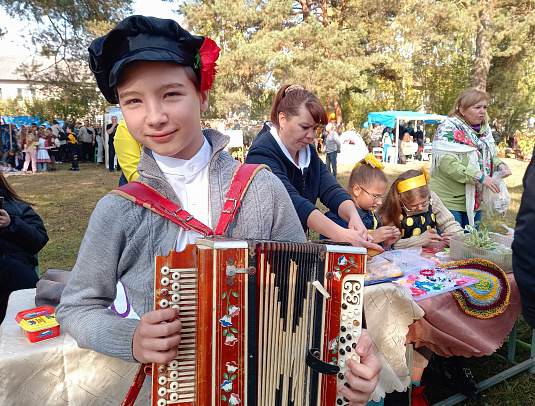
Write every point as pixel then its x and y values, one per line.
pixel 338 111
pixel 480 70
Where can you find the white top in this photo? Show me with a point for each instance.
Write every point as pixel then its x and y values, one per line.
pixel 189 180
pixel 303 154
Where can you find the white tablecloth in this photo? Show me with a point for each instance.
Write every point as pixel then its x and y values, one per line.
pixel 390 310
pixel 57 371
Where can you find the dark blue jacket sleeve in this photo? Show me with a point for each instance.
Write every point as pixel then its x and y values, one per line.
pixel 331 193
pixel 524 246
pixel 261 155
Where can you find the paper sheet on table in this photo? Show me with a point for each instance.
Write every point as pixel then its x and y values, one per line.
pixel 429 283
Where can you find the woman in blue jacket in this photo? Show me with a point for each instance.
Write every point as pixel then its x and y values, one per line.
pixel 285 145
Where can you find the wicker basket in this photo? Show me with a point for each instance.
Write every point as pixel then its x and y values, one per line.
pixel 459 250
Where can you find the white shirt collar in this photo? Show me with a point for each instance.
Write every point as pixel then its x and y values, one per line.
pixel 303 154
pixel 185 167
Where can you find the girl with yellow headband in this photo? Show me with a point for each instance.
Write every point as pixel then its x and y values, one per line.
pixel 417 212
pixel 367 186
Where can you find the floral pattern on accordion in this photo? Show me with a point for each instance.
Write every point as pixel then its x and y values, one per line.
pixel 333 346
pixel 230 333
pixel 342 268
pixel 231 338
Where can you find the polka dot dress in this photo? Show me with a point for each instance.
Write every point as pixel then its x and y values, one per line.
pixel 419 224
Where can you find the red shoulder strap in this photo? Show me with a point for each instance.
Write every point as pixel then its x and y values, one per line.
pixel 148 197
pixel 144 195
pixel 243 175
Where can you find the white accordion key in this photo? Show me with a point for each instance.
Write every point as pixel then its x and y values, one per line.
pixel 164 303
pixel 162 380
pixel 164 270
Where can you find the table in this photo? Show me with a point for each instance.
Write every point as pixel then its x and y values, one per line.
pixel 56 371
pixel 394 319
pixel 447 330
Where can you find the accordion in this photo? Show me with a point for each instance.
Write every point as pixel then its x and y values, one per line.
pixel 263 322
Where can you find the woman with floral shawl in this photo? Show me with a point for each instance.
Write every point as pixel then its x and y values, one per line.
pixel 464 158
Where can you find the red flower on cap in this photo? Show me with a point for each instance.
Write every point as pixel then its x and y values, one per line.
pixel 208 53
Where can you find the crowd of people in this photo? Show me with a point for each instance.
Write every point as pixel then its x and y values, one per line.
pixel 184 159
pixel 411 142
pixel 37 148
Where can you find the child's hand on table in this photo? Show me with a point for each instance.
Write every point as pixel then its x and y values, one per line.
pixel 387 234
pixel 157 336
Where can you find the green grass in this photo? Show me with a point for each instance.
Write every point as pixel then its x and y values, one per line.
pixel 65 200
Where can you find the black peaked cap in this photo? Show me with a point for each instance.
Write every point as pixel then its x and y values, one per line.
pixel 140 38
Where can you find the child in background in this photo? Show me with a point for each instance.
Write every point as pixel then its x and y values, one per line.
pixel 53 143
pixel 160 75
pixel 42 154
pixel 367 186
pixel 417 212
pixel 30 143
pixel 72 147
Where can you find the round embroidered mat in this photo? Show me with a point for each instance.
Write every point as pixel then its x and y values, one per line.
pixel 488 297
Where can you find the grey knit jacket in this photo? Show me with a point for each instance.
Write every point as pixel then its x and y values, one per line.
pixel 123 239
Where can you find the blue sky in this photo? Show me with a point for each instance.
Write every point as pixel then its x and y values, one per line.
pixel 16 36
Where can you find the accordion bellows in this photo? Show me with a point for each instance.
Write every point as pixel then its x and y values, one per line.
pixel 264 323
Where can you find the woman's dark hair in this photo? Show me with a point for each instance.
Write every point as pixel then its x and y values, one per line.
pixel 365 175
pixel 391 208
pixel 10 193
pixel 55 122
pixel 290 102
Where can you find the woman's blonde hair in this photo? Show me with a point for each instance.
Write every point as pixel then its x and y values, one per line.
pixel 466 99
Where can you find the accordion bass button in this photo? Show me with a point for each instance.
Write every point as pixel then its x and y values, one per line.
pixel 173 386
pixel 173 375
pixel 161 402
pixel 176 276
pixel 164 281
pixel 164 270
pixel 173 397
pixel 164 303
pixel 175 298
pixel 162 369
pixel 173 364
pixel 162 391
pixel 175 287
pixel 162 380
pixel 344 317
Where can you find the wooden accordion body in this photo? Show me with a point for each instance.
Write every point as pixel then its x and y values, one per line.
pixel 264 323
